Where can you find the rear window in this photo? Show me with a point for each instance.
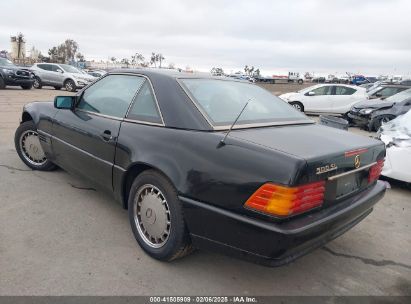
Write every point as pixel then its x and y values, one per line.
pixel 222 101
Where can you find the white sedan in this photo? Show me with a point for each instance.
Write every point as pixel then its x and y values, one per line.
pixel 397 138
pixel 326 98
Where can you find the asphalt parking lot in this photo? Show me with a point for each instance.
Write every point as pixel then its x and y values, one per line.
pixel 59 236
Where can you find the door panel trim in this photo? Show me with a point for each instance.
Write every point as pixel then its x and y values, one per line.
pixel 78 149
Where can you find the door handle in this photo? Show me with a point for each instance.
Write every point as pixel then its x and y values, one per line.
pixel 107 135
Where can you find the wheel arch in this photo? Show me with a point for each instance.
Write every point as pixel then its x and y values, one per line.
pixel 26 116
pixel 131 174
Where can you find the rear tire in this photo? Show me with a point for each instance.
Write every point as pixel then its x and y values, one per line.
pixel 300 81
pixel 2 84
pixel 297 105
pixel 156 217
pixel 27 143
pixel 37 84
pixel 69 85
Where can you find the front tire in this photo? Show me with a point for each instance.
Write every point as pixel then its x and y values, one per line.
pixel 69 85
pixel 156 217
pixel 27 143
pixel 37 84
pixel 2 84
pixel 297 105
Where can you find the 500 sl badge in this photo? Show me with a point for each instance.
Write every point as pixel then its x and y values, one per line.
pixel 327 168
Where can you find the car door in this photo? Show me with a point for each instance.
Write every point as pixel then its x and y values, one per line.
pixel 343 99
pixel 57 75
pixel 318 99
pixel 84 139
pixel 45 73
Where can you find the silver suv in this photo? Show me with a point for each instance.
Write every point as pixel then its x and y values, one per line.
pixel 60 75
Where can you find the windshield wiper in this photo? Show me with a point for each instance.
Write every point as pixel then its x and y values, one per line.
pixel 222 142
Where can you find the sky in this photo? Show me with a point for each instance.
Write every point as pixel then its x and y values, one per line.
pixel 371 37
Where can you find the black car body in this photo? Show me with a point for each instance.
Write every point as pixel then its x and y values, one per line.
pixel 12 75
pixel 320 181
pixel 372 114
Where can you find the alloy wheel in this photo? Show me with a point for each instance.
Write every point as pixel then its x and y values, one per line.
pixel 152 216
pixel 31 149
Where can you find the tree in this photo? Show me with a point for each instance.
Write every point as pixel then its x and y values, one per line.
pixel 246 69
pixel 153 59
pixel 251 70
pixel 125 61
pixel 217 71
pixel 136 58
pixel 80 57
pixel 64 52
pixel 70 48
pixel 159 58
pixel 113 59
pixel 257 73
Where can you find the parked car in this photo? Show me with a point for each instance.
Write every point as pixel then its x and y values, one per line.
pixel 358 80
pixel 396 135
pixel 208 163
pixel 386 90
pixel 318 79
pixel 97 73
pixel 12 75
pixel 372 114
pixel 60 75
pixel 326 98
pixel 406 82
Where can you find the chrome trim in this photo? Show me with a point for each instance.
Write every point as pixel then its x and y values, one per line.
pixel 241 126
pixel 351 172
pixel 152 89
pixel 80 150
pixel 143 122
pixel 98 114
pixel 85 152
pixel 120 168
pixel 262 124
pixel 131 103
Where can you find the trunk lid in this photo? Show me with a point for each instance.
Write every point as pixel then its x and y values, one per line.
pixel 328 152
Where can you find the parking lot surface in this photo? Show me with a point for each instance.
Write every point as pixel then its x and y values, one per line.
pixel 59 236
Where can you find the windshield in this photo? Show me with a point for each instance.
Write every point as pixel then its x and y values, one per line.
pixel 399 96
pixel 6 62
pixel 69 69
pixel 222 101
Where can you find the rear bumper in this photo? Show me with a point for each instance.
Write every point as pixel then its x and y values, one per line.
pixel 275 244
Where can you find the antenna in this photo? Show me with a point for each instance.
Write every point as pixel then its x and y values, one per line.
pixel 222 142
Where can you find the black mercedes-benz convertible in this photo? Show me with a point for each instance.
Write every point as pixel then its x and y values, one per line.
pixel 203 162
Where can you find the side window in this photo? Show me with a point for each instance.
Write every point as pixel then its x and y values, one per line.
pixel 111 95
pixel 54 68
pixel 46 67
pixel 340 90
pixel 144 107
pixel 325 90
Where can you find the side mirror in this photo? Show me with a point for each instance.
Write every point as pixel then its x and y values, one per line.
pixel 311 93
pixel 64 102
pixel 60 71
pixel 378 95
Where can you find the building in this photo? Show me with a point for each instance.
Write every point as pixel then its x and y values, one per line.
pixel 18 47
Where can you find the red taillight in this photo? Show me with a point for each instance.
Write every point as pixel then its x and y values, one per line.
pixel 285 201
pixel 375 171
